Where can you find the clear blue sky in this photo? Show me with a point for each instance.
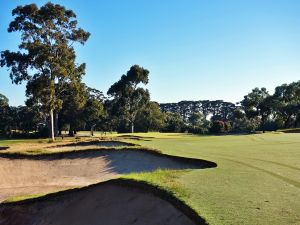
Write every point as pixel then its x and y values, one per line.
pixel 194 49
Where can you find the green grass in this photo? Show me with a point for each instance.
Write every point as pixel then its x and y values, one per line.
pixel 22 198
pixel 169 179
pixel 257 180
pixel 7 142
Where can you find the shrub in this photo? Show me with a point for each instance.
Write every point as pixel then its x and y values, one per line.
pixel 217 127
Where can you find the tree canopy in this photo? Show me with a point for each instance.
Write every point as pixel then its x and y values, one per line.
pixel 128 97
pixel 46 56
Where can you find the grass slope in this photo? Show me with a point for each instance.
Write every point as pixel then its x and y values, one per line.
pixel 257 180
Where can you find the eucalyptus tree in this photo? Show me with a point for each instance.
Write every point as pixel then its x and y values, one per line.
pixel 257 104
pixel 128 96
pixel 93 111
pixel 287 103
pixel 46 56
pixel 173 122
pixel 151 118
pixel 74 97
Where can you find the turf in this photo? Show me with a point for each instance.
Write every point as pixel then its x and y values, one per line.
pixel 257 180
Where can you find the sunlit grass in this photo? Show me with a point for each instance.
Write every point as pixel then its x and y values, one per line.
pixel 166 179
pixel 257 180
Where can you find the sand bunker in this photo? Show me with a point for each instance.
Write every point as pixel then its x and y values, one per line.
pixel 44 174
pixel 88 145
pixel 107 203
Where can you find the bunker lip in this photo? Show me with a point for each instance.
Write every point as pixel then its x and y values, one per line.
pixel 58 155
pixel 134 137
pixel 100 143
pixel 10 209
pixel 40 174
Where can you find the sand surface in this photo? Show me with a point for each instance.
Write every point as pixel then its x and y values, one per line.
pixel 51 173
pixel 105 204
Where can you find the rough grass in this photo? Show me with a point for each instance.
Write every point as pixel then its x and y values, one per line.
pixel 19 198
pixel 169 179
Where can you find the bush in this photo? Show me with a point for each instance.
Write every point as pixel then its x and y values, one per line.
pixel 217 127
pixel 228 126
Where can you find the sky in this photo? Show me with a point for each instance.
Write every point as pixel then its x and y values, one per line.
pixel 194 49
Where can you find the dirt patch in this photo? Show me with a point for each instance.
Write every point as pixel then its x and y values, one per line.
pixel 46 173
pixel 108 203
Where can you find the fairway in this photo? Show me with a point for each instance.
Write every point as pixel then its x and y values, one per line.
pixel 163 113
pixel 257 180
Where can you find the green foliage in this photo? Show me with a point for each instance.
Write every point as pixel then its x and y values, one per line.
pixel 46 56
pixel 174 123
pixel 198 124
pixel 150 118
pixel 4 113
pixel 287 104
pixel 128 97
pixel 217 127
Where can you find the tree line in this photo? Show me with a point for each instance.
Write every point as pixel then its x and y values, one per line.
pixel 58 100
pixel 258 110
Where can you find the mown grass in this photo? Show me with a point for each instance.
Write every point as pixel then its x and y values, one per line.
pixel 257 180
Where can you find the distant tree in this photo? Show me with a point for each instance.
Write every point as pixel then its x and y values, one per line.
pixel 173 123
pixel 198 124
pixel 74 97
pixel 286 103
pixel 4 113
pixel 47 56
pixel 128 97
pixel 217 127
pixel 93 112
pixel 256 104
pixel 150 118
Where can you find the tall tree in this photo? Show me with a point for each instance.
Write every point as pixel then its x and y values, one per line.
pixel 46 57
pixel 257 104
pixel 74 97
pixel 150 118
pixel 128 97
pixel 287 103
pixel 93 111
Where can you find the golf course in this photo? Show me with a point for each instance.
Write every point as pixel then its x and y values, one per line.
pixel 149 112
pixel 239 179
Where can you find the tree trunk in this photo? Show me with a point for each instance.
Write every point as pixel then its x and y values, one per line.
pixel 56 125
pixel 92 130
pixel 71 130
pixel 286 122
pixel 52 125
pixel 263 125
pixel 132 127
